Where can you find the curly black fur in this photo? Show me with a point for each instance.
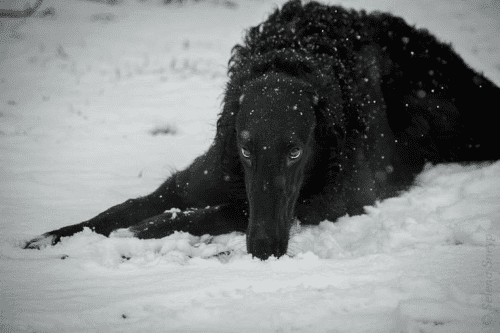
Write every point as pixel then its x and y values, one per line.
pixel 324 45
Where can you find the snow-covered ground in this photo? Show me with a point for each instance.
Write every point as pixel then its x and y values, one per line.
pixel 81 94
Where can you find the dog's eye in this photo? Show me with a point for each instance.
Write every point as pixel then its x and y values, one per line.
pixel 295 153
pixel 245 152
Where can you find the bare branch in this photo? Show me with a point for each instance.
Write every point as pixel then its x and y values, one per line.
pixel 20 13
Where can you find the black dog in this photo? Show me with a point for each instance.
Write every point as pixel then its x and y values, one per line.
pixel 326 110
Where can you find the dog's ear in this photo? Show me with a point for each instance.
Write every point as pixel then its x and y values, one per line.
pixel 226 131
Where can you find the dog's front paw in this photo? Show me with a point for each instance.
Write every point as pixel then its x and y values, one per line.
pixel 42 241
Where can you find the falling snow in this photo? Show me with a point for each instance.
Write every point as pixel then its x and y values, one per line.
pixel 79 98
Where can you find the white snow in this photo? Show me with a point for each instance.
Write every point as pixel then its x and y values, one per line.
pixel 80 94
